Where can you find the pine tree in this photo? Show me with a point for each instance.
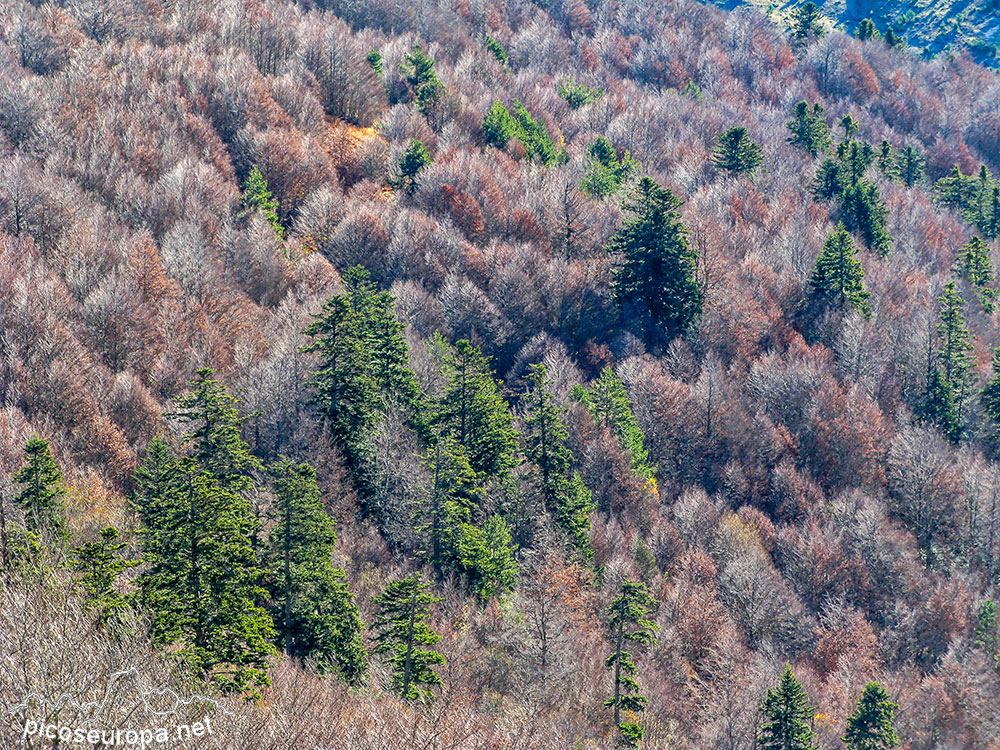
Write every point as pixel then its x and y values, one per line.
pixel 608 402
pixel 864 211
pixel 629 622
pixel 736 152
pixel 473 412
pixel 892 39
pixel 655 279
pixel 413 160
pixel 866 30
pixel 809 129
pixel 911 166
pixel 565 496
pixel 806 23
pixel 787 716
pixel 313 607
pixel 202 584
pixel 257 197
pixel 400 629
pixel 41 493
pixel 100 563
pixel 871 726
pixel 374 59
pixel 850 125
pixel 976 266
pixel 839 277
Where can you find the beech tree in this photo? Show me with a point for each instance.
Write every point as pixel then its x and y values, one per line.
pixel 400 629
pixel 787 716
pixel 655 279
pixel 871 725
pixel 629 622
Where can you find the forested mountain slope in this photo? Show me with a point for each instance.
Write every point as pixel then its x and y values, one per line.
pixel 473 374
pixel 931 26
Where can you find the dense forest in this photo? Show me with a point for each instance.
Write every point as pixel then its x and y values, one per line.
pixel 485 374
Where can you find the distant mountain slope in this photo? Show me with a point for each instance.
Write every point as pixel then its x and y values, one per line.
pixel 931 26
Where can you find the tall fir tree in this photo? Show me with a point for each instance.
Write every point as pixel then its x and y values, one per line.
pixel 990 400
pixel 411 163
pixel 565 496
pixel 809 129
pixel 736 152
pixel 839 278
pixel 655 279
pixel 257 196
pixel 313 608
pixel 975 265
pixel 863 211
pixel 473 412
pixel 629 622
pixel 787 717
pixel 866 30
pixel 911 166
pixel 41 495
pixel 987 632
pixel 363 371
pixel 99 564
pixel 202 585
pixel 425 86
pixel 401 632
pixel 608 402
pixel 948 367
pixel 806 23
pixel 887 161
pixel 871 726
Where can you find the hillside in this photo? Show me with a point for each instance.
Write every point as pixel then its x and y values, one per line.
pixel 930 27
pixel 495 373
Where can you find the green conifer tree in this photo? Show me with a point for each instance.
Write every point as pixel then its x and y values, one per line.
pixel 787 716
pixel 608 402
pixel 41 493
pixel 374 59
pixel 871 726
pixel 487 555
pixel 987 634
pixel 629 622
pixel 866 30
pixel 413 160
pixel 948 367
pixel 424 83
pixel 454 495
pixel 100 563
pixel 202 581
pixel 888 162
pixel 911 166
pixel 313 608
pixel 474 413
pixel 839 277
pixel 864 211
pixel 736 152
pixel 990 399
pixel 400 630
pixel 654 281
pixel 806 23
pixel 257 197
pixel 497 50
pixel 975 265
pixel 577 95
pixel 498 125
pixel 565 496
pixel 809 129
pixel 606 172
